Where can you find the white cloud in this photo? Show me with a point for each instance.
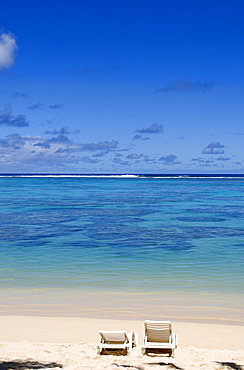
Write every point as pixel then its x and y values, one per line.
pixel 8 47
pixel 214 148
pixel 169 159
pixel 7 118
pixel 36 152
pixel 155 128
pixel 133 156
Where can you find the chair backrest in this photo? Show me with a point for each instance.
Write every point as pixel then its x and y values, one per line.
pixel 158 331
pixel 114 336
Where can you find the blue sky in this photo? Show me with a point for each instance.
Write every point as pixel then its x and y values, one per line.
pixel 122 86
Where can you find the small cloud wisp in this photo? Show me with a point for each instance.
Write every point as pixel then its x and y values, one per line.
pixel 185 86
pixel 8 48
pixel 155 128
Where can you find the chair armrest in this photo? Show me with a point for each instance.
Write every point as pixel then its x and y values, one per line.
pixel 145 339
pixel 174 339
pixel 134 339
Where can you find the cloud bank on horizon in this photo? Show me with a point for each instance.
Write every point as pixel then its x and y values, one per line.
pixel 125 88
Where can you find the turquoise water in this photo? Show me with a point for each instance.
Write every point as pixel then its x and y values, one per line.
pixel 134 235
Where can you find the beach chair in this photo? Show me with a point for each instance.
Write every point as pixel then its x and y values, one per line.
pixel 159 338
pixel 117 340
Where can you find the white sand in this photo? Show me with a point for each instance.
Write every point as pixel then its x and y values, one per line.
pixel 71 342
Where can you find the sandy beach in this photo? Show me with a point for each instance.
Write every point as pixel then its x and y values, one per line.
pixel 31 342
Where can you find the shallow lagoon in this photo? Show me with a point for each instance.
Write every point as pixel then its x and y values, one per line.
pixel 159 241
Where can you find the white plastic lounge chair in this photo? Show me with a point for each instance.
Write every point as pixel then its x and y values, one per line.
pixel 159 336
pixel 117 340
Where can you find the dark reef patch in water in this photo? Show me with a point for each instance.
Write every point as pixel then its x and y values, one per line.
pixel 201 219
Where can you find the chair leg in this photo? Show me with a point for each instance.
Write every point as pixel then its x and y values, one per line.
pixel 129 349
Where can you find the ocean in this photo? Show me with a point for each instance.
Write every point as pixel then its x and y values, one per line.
pixel 123 246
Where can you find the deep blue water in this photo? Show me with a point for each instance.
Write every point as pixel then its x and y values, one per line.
pixel 123 234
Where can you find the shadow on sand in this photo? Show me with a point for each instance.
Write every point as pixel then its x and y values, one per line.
pixel 129 366
pixel 23 365
pixel 114 352
pixel 231 365
pixel 169 366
